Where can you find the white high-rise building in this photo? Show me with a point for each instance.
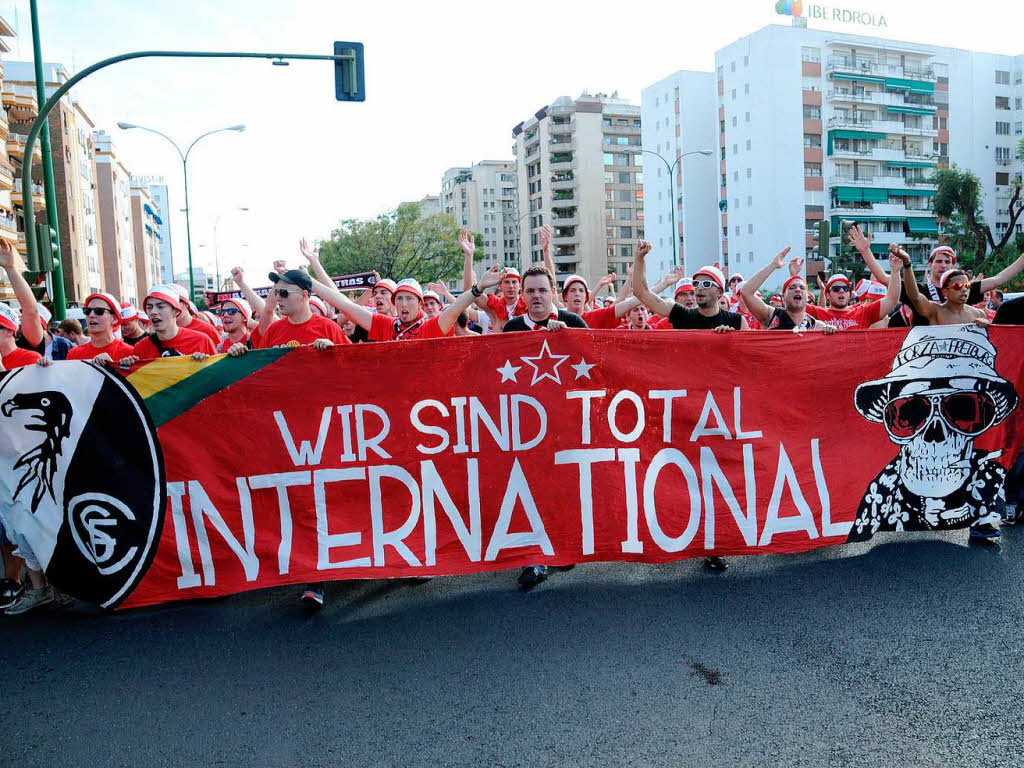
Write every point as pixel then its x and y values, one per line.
pixel 677 127
pixel 482 199
pixel 162 220
pixel 814 124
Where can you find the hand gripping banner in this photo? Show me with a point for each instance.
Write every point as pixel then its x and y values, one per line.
pixel 451 456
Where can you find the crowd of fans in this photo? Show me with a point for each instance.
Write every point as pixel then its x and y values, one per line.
pixel 304 308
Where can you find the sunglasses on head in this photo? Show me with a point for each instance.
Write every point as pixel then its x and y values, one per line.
pixel 969 413
pixel 96 311
pixel 705 284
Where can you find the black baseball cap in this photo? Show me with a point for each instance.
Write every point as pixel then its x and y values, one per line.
pixel 295 277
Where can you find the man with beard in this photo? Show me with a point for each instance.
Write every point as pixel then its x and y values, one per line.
pixel 168 339
pixel 709 283
pixel 235 314
pixel 541 313
pixel 411 321
pixel 792 315
pixel 132 331
pixel 940 260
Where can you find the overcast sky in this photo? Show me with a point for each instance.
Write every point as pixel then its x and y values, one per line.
pixel 446 83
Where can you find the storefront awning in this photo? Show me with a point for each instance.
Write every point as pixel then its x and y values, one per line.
pixel 847 133
pixel 858 78
pixel 923 226
pixel 914 86
pixel 909 164
pixel 876 195
pixel 901 110
pixel 913 192
pixel 848 194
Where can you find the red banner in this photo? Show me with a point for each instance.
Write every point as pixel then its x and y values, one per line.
pixel 463 455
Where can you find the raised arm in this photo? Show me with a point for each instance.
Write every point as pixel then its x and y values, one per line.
pixel 441 290
pixel 862 243
pixel 755 303
pixel 898 259
pixel 549 262
pixel 357 313
pixel 30 326
pixel 313 257
pixel 447 319
pixel 248 293
pixel 1002 278
pixel 924 307
pixel 468 275
pixel 653 301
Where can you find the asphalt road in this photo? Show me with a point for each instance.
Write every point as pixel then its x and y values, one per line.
pixel 903 652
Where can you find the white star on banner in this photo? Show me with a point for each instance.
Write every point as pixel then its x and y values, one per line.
pixel 582 369
pixel 545 355
pixel 508 371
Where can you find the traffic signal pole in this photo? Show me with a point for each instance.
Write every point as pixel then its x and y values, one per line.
pixel 349 66
pixel 57 295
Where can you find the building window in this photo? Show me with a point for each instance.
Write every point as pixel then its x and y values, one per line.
pixel 734 122
pixel 1002 77
pixel 1002 179
pixel 1002 102
pixel 812 140
pixel 750 229
pixel 737 230
pixel 1002 129
pixel 735 175
pixel 748 144
pixel 810 54
pixel 734 94
pixel 812 170
pixel 750 201
pixel 749 173
pixel 748 117
pixel 1017 103
pixel 1003 155
pixel 721 72
pixel 746 88
pixel 1018 128
pixel 812 112
pixel 746 61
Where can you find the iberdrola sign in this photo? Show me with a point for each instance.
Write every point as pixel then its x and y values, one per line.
pixel 796 9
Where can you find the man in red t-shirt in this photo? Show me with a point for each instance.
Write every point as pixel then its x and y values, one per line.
pixel 163 306
pixel 11 355
pixel 505 304
pixel 102 316
pixel 235 314
pixel 189 317
pixel 842 315
pixel 411 322
pixel 299 325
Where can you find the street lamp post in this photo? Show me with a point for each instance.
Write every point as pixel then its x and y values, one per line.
pixel 216 253
pixel 672 194
pixel 519 243
pixel 184 167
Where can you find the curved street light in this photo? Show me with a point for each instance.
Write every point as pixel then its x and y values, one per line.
pixel 672 192
pixel 184 166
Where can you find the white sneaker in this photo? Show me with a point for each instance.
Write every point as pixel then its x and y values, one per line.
pixel 31 598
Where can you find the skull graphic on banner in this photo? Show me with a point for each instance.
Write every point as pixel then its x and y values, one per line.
pixel 942 393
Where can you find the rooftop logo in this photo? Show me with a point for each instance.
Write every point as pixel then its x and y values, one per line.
pixel 795 8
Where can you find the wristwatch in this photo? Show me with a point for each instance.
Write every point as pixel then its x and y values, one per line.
pixel 475 290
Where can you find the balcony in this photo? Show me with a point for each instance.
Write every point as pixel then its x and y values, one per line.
pixel 20 102
pixel 870 68
pixel 560 129
pixel 4 127
pixel 561 163
pixel 886 98
pixel 621 130
pixel 562 144
pixel 879 180
pixel 38 195
pixel 16 147
pixel 881 126
pixel 558 185
pixel 8 225
pixel 563 198
pixel 565 221
pixel 22 245
pixel 566 240
pixel 6 176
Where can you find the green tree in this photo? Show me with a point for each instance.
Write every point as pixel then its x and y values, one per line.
pixel 958 201
pixel 397 244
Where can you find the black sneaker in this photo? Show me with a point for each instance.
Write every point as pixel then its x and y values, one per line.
pixel 716 563
pixel 532 575
pixel 312 596
pixel 985 531
pixel 1011 514
pixel 10 590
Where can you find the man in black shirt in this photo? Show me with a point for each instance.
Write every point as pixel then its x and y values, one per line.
pixel 708 284
pixel 792 316
pixel 941 260
pixel 541 315
pixel 539 293
pixel 1010 312
pixel 132 331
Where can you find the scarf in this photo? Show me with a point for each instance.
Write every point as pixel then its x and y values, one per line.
pixel 403 332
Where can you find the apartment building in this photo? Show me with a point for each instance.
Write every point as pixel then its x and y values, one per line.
pixel 579 169
pixel 482 198
pixel 161 204
pixel 681 144
pixel 145 238
pixel 113 193
pixel 815 124
pixel 74 174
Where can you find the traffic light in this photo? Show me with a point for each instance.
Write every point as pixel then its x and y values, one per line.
pixel 37 282
pixel 349 77
pixel 824 236
pixel 844 232
pixel 49 248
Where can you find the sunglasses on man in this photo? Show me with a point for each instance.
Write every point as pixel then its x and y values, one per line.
pixel 840 288
pixel 705 284
pixel 958 285
pixel 229 311
pixel 283 292
pixel 96 311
